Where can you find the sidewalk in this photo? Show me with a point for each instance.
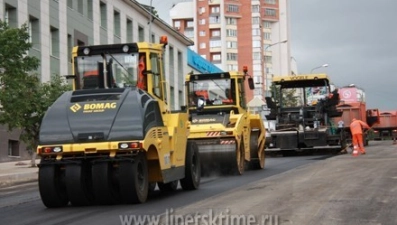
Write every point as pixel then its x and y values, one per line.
pixel 17 172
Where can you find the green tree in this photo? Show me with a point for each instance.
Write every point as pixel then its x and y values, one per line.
pixel 24 99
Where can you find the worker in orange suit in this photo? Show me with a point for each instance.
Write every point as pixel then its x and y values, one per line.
pixel 356 128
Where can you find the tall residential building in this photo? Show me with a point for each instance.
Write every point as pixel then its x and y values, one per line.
pixel 235 33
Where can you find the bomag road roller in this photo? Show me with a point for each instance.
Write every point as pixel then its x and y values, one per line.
pixel 111 138
pixel 303 107
pixel 229 137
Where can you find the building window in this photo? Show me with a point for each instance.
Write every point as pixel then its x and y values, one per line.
pixel 141 34
pixel 70 47
pixel 181 98
pixel 54 41
pixel 10 16
pixel 103 15
pixel 202 33
pixel 215 9
pixel 232 8
pixel 202 21
pixel 216 57
pixel 116 23
pixel 270 12
pixel 70 4
pixel 13 148
pixel 180 64
pixel 214 19
pixel 34 32
pixel 231 21
pixel 190 23
pixel 202 10
pixel 267 24
pixel 256 20
pixel 273 2
pixel 231 33
pixel 267 36
pixel 80 6
pixel 172 100
pixel 231 56
pixel 90 10
pixel 203 45
pixel 257 67
pixel 215 43
pixel 177 24
pixel 232 67
pixel 189 33
pixel 255 8
pixel 268 59
pixel 129 30
pixel 256 32
pixel 231 44
pixel 256 56
pixel 215 33
pixel 171 60
pixel 256 44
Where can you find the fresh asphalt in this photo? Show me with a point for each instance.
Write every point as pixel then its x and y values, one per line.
pixel 21 204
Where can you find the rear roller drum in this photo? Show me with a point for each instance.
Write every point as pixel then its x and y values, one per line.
pixel 134 180
pixel 191 181
pixel 52 189
pixel 105 186
pixel 79 184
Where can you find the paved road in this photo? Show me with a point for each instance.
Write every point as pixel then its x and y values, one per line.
pixel 22 205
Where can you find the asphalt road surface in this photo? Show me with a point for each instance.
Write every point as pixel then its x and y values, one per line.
pixel 22 204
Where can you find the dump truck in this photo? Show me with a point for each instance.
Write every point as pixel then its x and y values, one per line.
pixel 229 137
pixel 303 107
pixel 113 137
pixel 387 126
pixel 353 105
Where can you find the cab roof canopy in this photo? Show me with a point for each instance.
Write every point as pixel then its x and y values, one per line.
pixel 303 80
pixel 209 76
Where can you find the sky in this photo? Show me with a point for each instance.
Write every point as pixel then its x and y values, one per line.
pixel 356 38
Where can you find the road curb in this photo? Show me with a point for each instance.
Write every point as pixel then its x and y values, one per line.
pixel 12 179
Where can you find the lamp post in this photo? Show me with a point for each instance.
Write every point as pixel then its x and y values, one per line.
pixel 266 85
pixel 325 65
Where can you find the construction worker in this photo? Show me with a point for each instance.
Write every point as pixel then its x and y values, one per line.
pixel 356 128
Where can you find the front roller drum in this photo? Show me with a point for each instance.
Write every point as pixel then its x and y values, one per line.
pixel 226 157
pixel 52 187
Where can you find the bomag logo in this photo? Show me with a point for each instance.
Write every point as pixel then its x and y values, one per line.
pixel 99 107
pixel 76 107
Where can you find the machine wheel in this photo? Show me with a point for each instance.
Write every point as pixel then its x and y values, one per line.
pixel 104 185
pixel 171 186
pixel 52 189
pixel 238 164
pixel 256 163
pixel 191 181
pixel 134 180
pixel 79 184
